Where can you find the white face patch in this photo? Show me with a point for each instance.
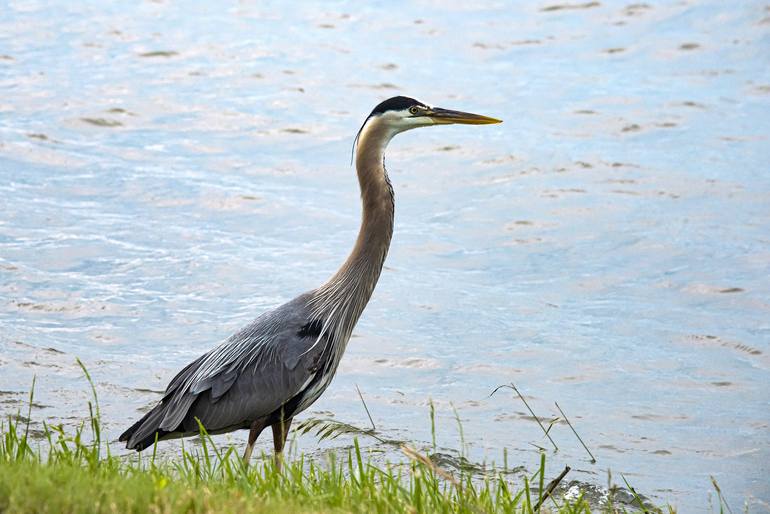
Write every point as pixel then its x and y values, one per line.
pixel 393 122
pixel 404 120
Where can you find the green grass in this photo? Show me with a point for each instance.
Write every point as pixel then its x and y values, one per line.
pixel 76 472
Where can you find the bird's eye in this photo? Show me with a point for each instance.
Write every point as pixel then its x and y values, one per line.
pixel 413 109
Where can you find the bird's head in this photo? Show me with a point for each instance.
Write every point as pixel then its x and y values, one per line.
pixel 402 113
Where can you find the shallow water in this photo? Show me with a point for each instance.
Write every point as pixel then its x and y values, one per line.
pixel 169 171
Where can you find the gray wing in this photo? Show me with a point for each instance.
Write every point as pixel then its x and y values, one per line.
pixel 250 375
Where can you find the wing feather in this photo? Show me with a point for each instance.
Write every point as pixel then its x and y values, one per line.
pixel 250 374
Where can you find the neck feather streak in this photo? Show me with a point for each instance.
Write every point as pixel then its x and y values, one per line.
pixel 341 300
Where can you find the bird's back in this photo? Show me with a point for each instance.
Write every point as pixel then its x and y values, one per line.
pixel 268 366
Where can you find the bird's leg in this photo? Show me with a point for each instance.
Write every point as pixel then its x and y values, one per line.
pixel 280 432
pixel 256 428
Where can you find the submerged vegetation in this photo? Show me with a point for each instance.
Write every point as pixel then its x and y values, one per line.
pixel 76 472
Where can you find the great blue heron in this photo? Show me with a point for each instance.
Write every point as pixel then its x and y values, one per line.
pixel 280 363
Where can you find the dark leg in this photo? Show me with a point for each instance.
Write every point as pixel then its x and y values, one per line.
pixel 256 428
pixel 280 432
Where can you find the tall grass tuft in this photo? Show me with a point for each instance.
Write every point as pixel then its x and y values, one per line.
pixel 75 471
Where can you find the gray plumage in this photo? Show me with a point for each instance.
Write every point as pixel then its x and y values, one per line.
pixel 279 364
pixel 251 374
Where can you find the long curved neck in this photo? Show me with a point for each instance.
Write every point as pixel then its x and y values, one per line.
pixel 342 299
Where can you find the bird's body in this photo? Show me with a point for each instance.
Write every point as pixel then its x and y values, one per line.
pixel 283 361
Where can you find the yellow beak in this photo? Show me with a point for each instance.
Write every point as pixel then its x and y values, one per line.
pixel 445 117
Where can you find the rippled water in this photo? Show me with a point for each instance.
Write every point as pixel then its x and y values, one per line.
pixel 170 170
